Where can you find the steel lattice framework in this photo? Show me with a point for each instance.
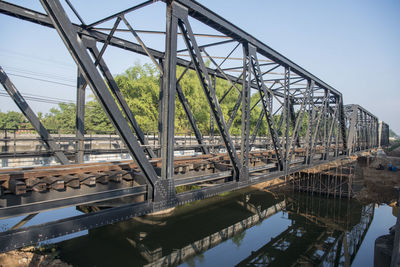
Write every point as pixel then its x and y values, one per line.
pixel 292 100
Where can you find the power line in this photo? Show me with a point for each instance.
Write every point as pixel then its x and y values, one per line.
pixel 36 99
pixel 39 99
pixel 43 80
pixel 19 54
pixel 42 74
pixel 47 97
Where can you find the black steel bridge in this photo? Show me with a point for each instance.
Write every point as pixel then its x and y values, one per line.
pixel 308 124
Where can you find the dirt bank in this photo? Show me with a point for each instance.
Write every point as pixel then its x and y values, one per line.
pixel 31 257
pixel 379 182
pixel 393 153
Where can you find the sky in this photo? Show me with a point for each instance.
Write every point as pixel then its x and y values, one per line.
pixel 354 46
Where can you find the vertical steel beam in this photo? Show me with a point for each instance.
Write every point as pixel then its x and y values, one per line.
pixel 245 127
pixel 212 120
pixel 325 125
pixel 78 51
pixel 342 119
pixel 352 129
pixel 329 140
pixel 160 108
pixel 31 116
pixel 310 125
pixel 168 94
pixel 235 110
pixel 80 118
pixel 287 114
pixel 293 120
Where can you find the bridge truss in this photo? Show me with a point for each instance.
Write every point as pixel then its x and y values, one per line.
pixel 307 122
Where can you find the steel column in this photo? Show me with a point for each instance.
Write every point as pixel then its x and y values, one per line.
pixel 168 95
pixel 245 129
pixel 80 118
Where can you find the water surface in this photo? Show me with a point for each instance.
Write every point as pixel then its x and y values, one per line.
pixel 244 228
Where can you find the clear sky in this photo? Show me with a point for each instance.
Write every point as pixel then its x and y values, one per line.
pixel 353 46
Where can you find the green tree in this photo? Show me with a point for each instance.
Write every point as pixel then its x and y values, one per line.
pixel 61 118
pixel 140 87
pixel 13 120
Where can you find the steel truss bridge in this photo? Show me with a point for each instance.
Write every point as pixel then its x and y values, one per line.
pixel 308 124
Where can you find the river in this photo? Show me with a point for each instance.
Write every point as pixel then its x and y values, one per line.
pixel 243 228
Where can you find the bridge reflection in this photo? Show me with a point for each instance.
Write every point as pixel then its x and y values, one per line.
pixel 321 231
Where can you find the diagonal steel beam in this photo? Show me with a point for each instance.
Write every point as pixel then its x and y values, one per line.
pixel 297 126
pixel 120 98
pixel 234 110
pixel 91 44
pixel 265 97
pixel 78 52
pixel 148 2
pixel 190 117
pixel 220 70
pixel 142 44
pixel 31 116
pixel 258 125
pixel 208 88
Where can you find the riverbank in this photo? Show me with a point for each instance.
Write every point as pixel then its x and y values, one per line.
pixel 379 182
pixel 32 257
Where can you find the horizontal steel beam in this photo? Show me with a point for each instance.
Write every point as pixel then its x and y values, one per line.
pixel 68 198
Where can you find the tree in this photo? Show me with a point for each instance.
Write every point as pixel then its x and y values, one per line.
pixel 61 118
pixel 140 86
pixel 13 120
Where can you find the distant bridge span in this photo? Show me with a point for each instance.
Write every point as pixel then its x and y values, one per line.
pixel 308 124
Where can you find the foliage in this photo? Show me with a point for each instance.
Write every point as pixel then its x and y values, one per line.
pixel 13 120
pixel 62 118
pixel 140 86
pixel 394 145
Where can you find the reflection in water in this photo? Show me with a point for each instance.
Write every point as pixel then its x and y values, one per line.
pixel 245 228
